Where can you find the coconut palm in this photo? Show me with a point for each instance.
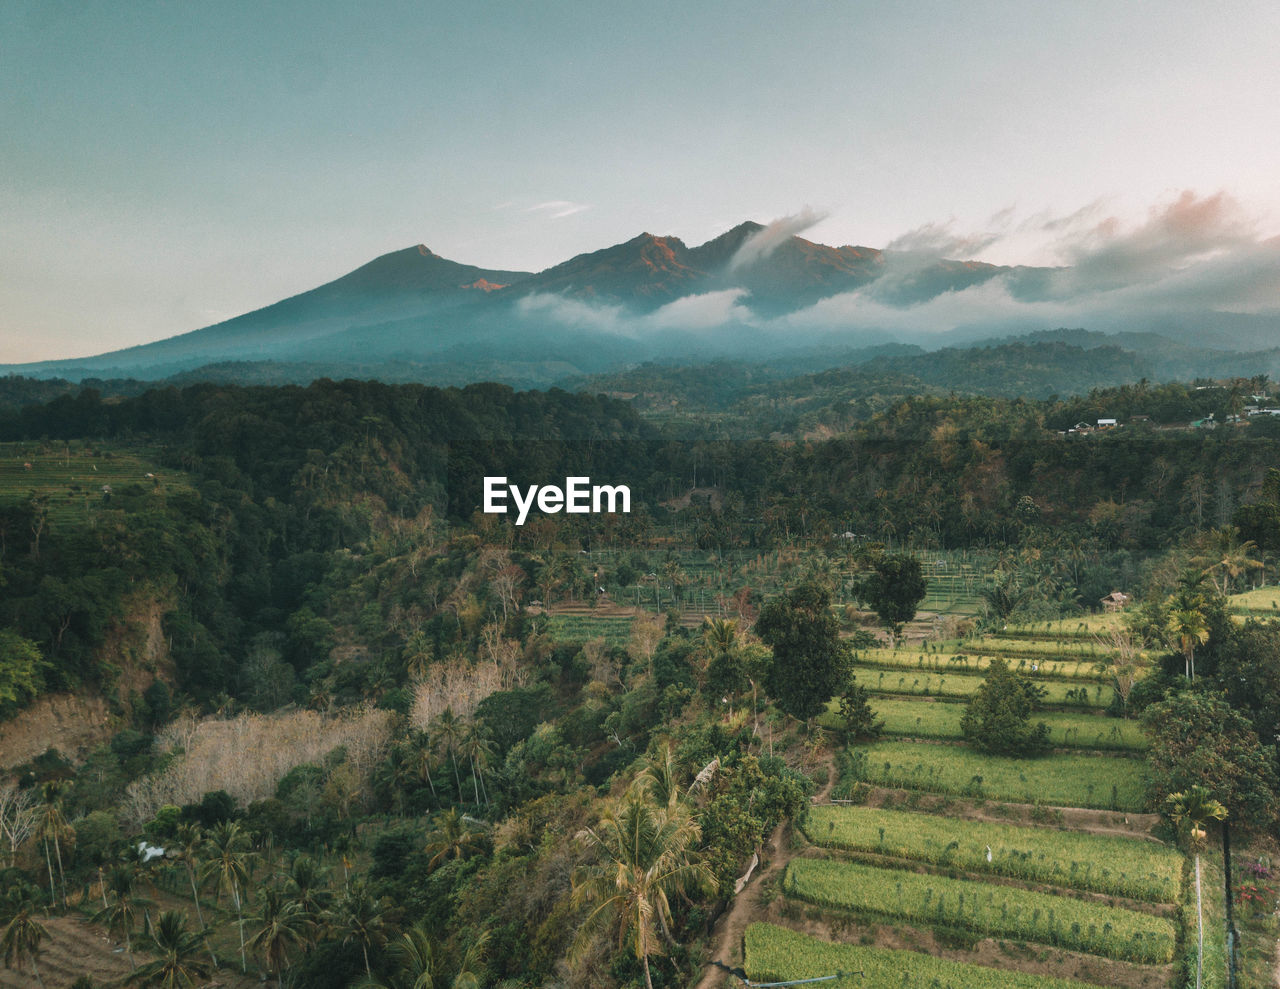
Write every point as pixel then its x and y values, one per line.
pixel 187 850
pixel 307 884
pixel 1190 810
pixel 1190 629
pixel 448 734
pixel 359 919
pixel 121 914
pixel 178 966
pixel 227 858
pixel 51 825
pixel 640 855
pixel 420 963
pixel 1228 557
pixel 22 935
pixel 451 839
pixel 283 927
pixel 477 746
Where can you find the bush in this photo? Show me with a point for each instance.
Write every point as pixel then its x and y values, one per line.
pixel 997 718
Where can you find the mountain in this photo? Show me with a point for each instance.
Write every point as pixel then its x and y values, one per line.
pixel 751 293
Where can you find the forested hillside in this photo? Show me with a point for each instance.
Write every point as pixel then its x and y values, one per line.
pixel 378 731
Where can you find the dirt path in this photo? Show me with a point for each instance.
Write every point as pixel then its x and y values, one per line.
pixel 726 936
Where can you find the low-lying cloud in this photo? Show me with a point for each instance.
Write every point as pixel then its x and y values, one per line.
pixel 764 242
pixel 1192 255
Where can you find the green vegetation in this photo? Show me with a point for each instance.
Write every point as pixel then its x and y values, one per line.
pixel 941 660
pixel 1140 870
pixel 775 954
pixel 1061 779
pixel 996 911
pixel 941 719
pixel 959 685
pixel 1000 717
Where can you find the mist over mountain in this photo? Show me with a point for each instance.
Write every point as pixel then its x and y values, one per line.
pixel 1186 284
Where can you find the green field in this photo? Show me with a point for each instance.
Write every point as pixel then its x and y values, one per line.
pixel 1035 648
pixel 72 479
pixel 1060 779
pixel 775 954
pixel 1082 627
pixel 1140 870
pixel 941 719
pixel 954 661
pixel 1058 693
pixel 614 629
pixel 1263 602
pixel 986 909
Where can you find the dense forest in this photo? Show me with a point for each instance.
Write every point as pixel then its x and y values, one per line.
pixel 380 732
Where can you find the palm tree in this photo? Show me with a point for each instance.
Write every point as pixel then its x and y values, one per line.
pixel 451 839
pixel 1190 630
pixel 177 967
pixel 478 748
pixel 1190 810
pixel 190 840
pixel 422 759
pixel 309 886
pixel 51 824
pixel 122 913
pixel 420 963
pixel 448 732
pixel 228 856
pixel 283 929
pixel 1228 556
pixel 22 933
pixel 640 854
pixel 359 917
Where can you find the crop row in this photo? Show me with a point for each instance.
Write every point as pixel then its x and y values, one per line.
pixel 1140 870
pixel 965 662
pixel 939 719
pixel 1062 779
pixel 1065 647
pixel 1056 692
pixel 775 954
pixel 988 910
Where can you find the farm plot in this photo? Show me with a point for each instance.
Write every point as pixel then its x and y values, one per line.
pixel 614 629
pixel 1262 602
pixel 1055 647
pixel 998 911
pixel 1139 870
pixel 775 954
pixel 938 719
pixel 1083 627
pixel 1062 779
pixel 949 661
pixel 72 483
pixel 1058 693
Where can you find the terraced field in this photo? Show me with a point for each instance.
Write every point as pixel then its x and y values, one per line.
pixel 941 720
pixel 997 911
pixel 1139 870
pixel 73 480
pixel 775 954
pixel 962 661
pixel 1063 779
pixel 1058 693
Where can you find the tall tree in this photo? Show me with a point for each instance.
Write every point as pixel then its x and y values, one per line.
pixel 894 589
pixel 22 935
pixel 640 855
pixel 810 663
pixel 178 966
pixel 227 859
pixel 281 927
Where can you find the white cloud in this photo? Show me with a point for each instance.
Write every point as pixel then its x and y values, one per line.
pixel 764 242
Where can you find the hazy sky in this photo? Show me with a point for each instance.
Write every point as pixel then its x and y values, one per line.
pixel 166 165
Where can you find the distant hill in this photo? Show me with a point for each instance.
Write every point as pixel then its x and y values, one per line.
pixel 749 295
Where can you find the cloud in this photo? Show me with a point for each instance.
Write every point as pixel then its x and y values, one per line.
pixel 558 209
pixel 938 240
pixel 764 242
pixel 701 312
